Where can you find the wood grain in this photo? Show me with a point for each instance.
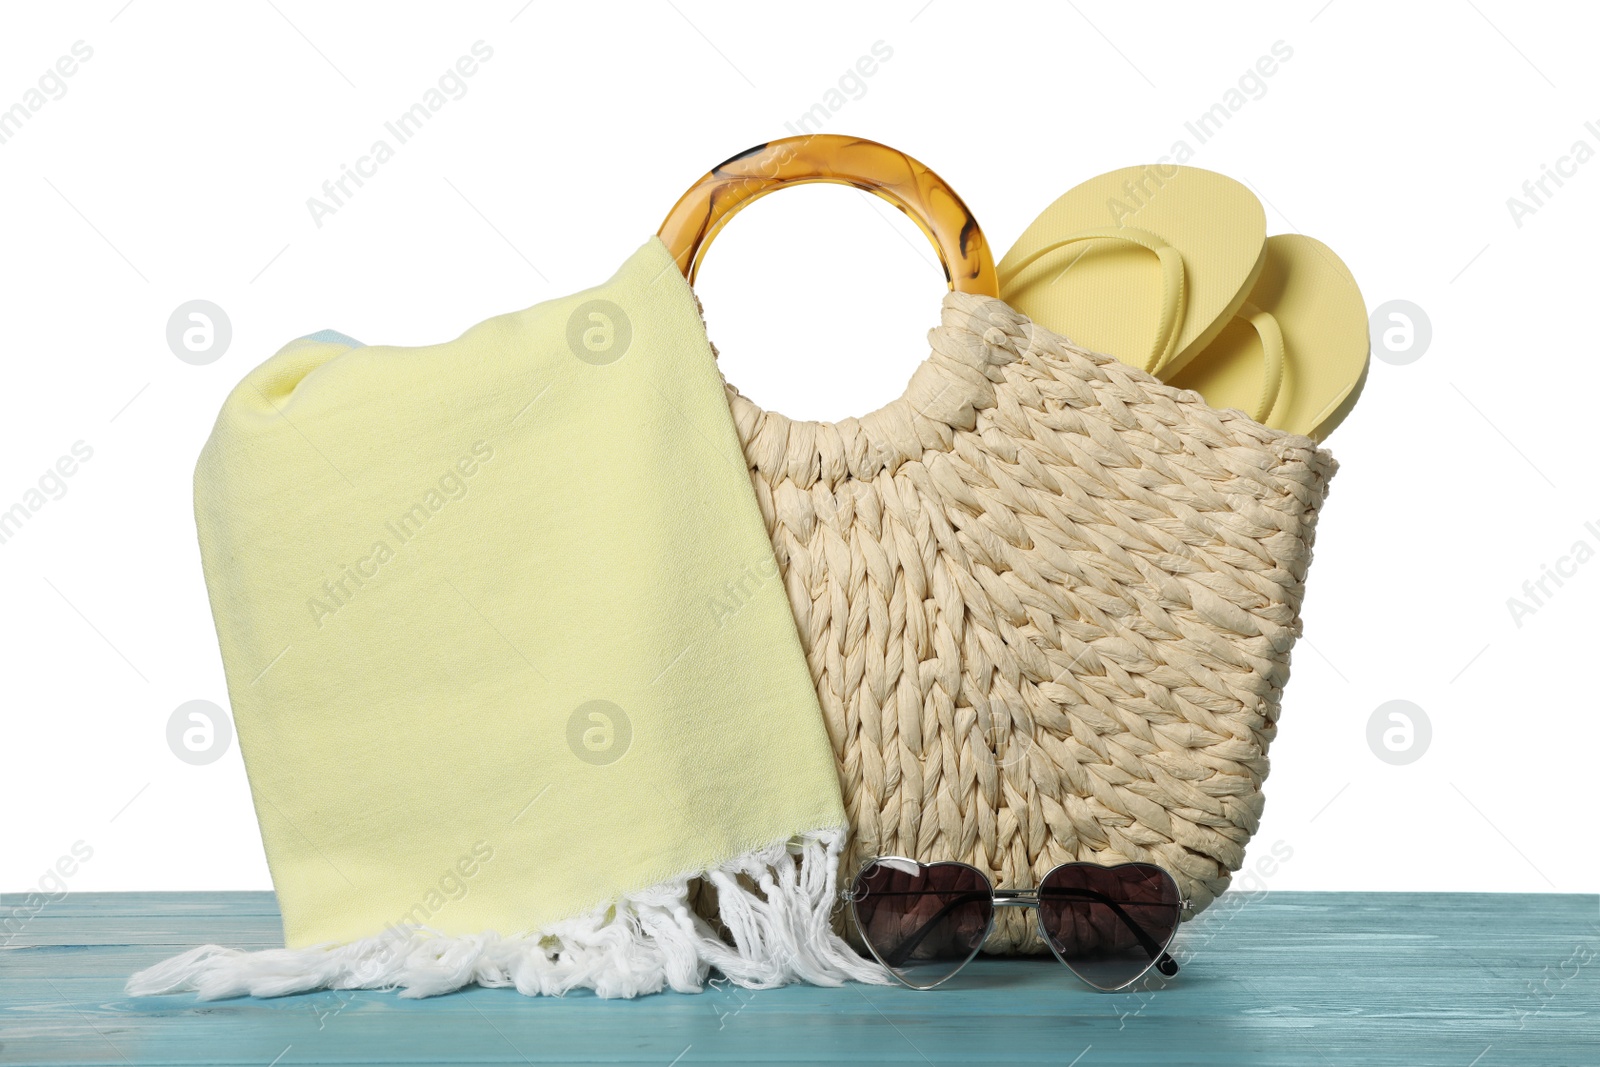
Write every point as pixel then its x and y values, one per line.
pixel 1286 978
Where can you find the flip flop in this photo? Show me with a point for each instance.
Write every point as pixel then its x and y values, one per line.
pixel 1295 356
pixel 1088 266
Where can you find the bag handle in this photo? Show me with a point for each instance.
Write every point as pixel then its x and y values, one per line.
pixel 701 213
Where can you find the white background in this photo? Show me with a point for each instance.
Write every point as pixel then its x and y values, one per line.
pixel 178 163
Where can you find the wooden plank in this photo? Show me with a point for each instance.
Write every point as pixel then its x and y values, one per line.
pixel 1289 978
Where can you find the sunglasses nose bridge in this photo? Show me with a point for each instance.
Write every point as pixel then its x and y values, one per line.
pixel 1016 898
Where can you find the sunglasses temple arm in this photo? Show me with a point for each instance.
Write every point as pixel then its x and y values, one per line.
pixel 1164 961
pixel 904 952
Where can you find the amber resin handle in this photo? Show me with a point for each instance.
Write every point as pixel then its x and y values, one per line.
pixel 697 218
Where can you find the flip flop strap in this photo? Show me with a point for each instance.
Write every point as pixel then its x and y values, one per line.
pixel 1271 335
pixel 1173 290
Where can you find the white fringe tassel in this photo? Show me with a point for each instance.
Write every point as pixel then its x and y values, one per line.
pixel 644 943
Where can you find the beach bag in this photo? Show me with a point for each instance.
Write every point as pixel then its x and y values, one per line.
pixel 1047 601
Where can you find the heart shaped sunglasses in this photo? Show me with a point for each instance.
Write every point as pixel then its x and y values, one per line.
pixel 926 921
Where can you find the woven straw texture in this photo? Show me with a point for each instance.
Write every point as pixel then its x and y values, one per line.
pixel 1048 604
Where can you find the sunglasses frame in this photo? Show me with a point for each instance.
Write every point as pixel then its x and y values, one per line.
pixel 1021 898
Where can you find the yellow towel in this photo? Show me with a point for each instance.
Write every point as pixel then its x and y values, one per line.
pixel 511 662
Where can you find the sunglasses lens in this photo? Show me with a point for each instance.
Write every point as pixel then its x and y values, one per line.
pixel 1109 924
pixel 923 922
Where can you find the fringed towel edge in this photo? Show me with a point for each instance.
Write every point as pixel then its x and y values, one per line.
pixel 643 943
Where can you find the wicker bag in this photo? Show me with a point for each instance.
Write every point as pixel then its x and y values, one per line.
pixel 1047 601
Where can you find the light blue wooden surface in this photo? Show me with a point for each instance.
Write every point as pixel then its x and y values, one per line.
pixel 1469 980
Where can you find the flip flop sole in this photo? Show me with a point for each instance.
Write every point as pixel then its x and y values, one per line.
pixel 1107 295
pixel 1323 319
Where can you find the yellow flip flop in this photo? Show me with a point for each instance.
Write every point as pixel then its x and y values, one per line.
pixel 1295 356
pixel 1084 268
